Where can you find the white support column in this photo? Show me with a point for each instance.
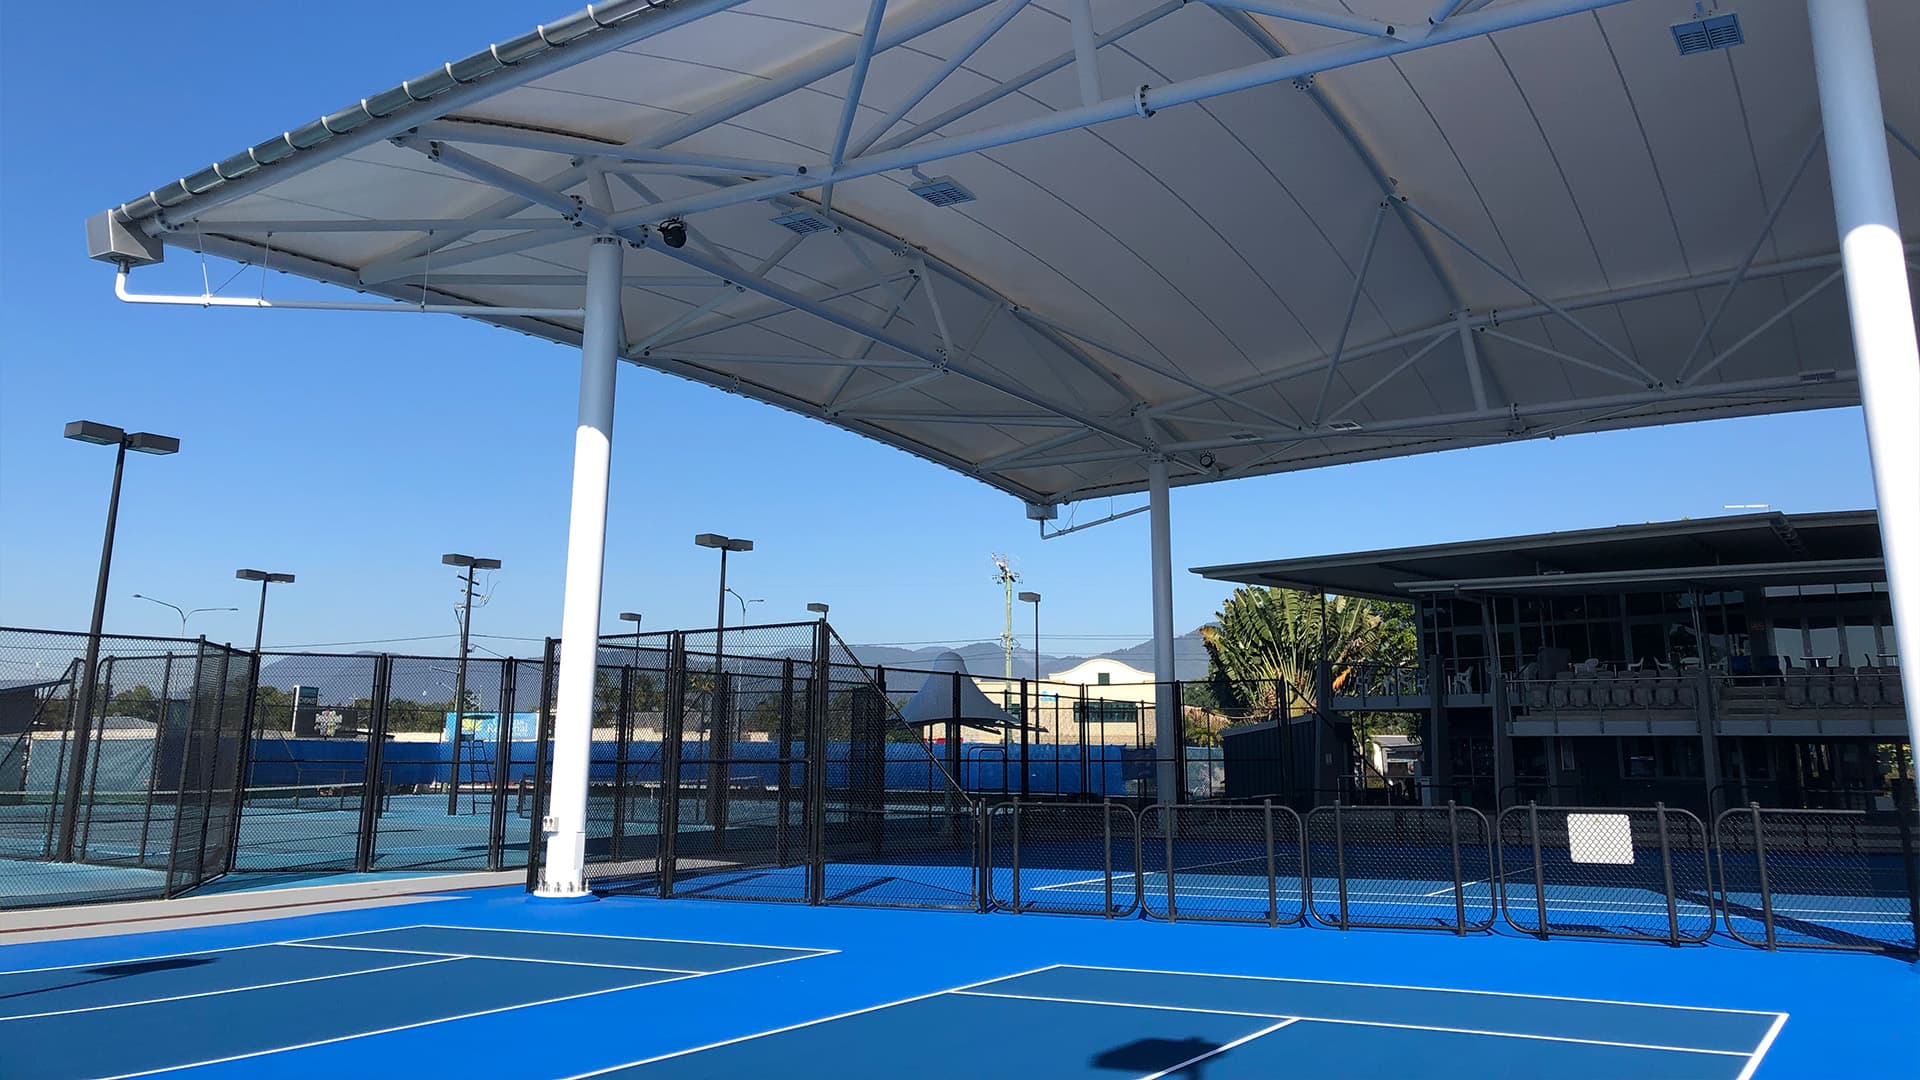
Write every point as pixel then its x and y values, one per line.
pixel 1878 303
pixel 564 875
pixel 1166 703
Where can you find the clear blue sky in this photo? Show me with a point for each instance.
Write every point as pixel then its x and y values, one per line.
pixel 355 449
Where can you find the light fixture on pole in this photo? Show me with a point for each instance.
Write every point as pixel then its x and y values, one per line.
pixel 818 609
pixel 634 618
pixel 1034 599
pixel 471 564
pixel 144 442
pixel 723 544
pixel 184 613
pixel 265 578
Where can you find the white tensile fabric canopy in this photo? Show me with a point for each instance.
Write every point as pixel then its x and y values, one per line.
pixel 1561 226
pixel 1083 247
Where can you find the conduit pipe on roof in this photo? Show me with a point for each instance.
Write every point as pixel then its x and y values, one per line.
pixel 206 300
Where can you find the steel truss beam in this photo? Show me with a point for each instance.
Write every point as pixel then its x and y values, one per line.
pixel 1439 425
pixel 1143 102
pixel 1521 314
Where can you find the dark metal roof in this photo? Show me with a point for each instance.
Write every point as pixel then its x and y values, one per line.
pixel 1825 544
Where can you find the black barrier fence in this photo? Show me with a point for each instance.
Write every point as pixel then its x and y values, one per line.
pixel 1609 872
pixel 1222 863
pixel 1400 867
pixel 1820 879
pixel 1063 858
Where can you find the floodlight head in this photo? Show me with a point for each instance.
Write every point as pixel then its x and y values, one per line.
pixel 1029 597
pixel 456 559
pixel 817 609
pixel 942 191
pixel 1344 425
pixel 280 579
pixel 724 543
pixel 630 616
pixel 803 223
pixel 1706 33
pixel 146 442
pixel 99 434
pixel 250 575
pixel 673 233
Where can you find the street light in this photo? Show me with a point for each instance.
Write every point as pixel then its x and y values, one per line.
pixel 1034 599
pixel 144 442
pixel 184 613
pixel 634 618
pixel 818 609
pixel 265 578
pixel 471 563
pixel 743 604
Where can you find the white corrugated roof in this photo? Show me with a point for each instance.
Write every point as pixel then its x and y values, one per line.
pixel 1175 283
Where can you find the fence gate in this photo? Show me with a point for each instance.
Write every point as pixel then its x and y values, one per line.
pixel 1635 874
pixel 1825 879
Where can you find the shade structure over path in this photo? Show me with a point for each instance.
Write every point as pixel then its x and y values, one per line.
pixel 1077 249
pixel 950 697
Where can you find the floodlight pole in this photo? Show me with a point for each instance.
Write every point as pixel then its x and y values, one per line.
pixel 145 442
pixel 564 874
pixel 1166 729
pixel 1879 306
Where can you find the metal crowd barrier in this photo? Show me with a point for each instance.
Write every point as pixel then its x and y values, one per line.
pixel 1819 879
pixel 1584 872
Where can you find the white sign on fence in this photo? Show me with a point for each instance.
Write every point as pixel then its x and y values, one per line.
pixel 1600 838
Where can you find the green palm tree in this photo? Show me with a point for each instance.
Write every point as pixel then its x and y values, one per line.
pixel 1264 644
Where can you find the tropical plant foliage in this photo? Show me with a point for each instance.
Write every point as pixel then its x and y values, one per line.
pixel 1264 645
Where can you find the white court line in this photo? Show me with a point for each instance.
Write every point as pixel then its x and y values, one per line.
pixel 1760 1051
pixel 610 937
pixel 1217 1051
pixel 445 1019
pixel 229 990
pixel 1434 989
pixel 804 1024
pixel 512 959
pixel 1361 1023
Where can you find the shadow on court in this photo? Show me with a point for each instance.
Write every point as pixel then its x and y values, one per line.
pixel 109 972
pixel 1152 1056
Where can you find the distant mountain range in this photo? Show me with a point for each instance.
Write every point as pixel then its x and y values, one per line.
pixel 987 657
pixel 341 679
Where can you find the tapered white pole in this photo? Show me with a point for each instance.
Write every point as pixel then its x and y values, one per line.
pixel 564 874
pixel 1879 304
pixel 1166 704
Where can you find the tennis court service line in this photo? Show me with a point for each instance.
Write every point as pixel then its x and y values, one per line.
pixel 803 1024
pixel 443 954
pixel 230 989
pixel 1430 989
pixel 1292 1018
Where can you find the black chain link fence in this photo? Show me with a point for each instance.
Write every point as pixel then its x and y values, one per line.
pixel 152 770
pixel 1823 879
pixel 1628 873
pixel 1400 867
pixel 1063 858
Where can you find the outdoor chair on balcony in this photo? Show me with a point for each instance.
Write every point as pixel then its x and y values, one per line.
pixel 1666 692
pixel 1819 690
pixel 1869 683
pixel 1845 689
pixel 1796 688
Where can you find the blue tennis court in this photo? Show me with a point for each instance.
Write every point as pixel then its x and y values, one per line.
pixel 488 983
